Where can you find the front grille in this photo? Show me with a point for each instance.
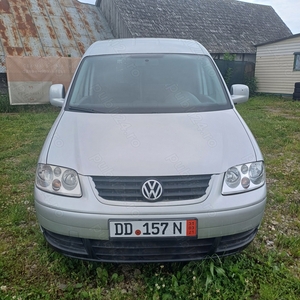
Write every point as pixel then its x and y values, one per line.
pixel 159 250
pixel 121 188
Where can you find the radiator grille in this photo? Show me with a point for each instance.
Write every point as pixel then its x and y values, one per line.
pixel 130 188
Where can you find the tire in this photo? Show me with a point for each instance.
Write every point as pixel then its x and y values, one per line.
pixel 296 96
pixel 297 85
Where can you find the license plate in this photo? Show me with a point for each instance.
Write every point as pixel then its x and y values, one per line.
pixel 153 228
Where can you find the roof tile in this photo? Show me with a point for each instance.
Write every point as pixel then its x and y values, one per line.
pixel 220 25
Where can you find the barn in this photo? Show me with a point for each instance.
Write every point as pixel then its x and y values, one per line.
pixel 41 42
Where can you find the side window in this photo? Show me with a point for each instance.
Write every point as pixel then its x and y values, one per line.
pixel 297 61
pixel 82 84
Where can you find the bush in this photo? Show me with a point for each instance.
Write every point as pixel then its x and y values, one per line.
pixel 251 82
pixel 4 104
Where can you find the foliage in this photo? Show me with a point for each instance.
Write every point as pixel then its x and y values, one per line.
pixel 229 57
pixel 268 269
pixel 4 103
pixel 228 74
pixel 252 83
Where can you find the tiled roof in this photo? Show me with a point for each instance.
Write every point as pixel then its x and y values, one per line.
pixel 220 25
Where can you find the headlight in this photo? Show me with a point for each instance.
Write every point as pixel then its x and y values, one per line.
pixel 58 180
pixel 244 178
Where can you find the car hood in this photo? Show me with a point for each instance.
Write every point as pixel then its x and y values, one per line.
pixel 150 144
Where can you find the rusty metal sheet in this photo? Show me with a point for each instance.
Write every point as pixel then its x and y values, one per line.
pixel 24 21
pixel 65 37
pixel 37 8
pixel 50 51
pixel 66 3
pixel 49 27
pixel 27 30
pixel 9 36
pixel 78 28
pixel 1 49
pixel 94 22
pixel 53 8
pixel 46 31
pixel 2 58
pixel 33 47
pixel 4 6
pixel 2 64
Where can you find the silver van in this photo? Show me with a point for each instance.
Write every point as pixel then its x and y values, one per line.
pixel 148 159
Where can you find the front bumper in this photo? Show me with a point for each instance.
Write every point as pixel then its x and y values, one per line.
pixel 86 236
pixel 166 250
pixel 78 227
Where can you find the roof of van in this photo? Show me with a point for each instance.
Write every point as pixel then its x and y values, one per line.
pixel 145 45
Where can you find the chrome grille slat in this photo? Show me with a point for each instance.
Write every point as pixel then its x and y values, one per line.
pixel 129 188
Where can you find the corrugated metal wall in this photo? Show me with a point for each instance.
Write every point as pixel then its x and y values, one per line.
pixel 274 66
pixel 49 28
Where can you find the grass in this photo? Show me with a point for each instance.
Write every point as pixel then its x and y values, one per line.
pixel 268 269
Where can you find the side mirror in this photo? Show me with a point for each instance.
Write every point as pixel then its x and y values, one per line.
pixel 57 95
pixel 239 93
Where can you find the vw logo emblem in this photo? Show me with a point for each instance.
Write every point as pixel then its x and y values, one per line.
pixel 152 190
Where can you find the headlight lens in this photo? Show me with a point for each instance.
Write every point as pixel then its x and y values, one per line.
pixel 44 176
pixel 69 180
pixel 58 180
pixel 244 178
pixel 233 177
pixel 256 172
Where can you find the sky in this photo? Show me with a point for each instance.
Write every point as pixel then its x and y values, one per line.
pixel 288 10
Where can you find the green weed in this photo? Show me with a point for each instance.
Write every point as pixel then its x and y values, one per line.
pixel 267 269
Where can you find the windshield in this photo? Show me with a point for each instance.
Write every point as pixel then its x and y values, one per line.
pixel 147 83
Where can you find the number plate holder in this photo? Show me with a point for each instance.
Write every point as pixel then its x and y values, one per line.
pixel 137 229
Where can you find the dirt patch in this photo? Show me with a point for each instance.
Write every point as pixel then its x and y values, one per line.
pixel 281 113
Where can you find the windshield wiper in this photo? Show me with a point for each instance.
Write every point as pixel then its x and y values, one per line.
pixel 82 109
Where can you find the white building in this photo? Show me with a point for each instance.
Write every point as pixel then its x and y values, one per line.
pixel 278 65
